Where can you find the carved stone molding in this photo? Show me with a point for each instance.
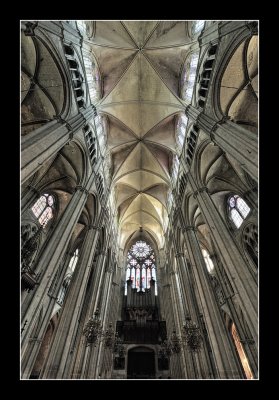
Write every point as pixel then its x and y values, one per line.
pixel 96 227
pixel 33 189
pixel 188 228
pixel 82 189
pixel 63 121
pixel 177 255
pixel 200 190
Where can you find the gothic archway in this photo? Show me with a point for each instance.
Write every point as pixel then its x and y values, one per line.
pixel 141 363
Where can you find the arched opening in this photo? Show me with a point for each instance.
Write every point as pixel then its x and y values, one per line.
pixel 238 210
pixel 141 363
pixel 40 99
pixel 239 85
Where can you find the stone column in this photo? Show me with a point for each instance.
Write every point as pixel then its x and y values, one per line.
pixel 106 296
pixel 176 360
pixel 47 265
pixel 232 138
pixel 234 312
pixel 63 345
pixel 198 366
pixel 245 288
pixel 41 144
pixel 223 355
pixel 88 356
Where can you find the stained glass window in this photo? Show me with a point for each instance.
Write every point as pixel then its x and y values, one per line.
pixel 82 27
pixel 93 77
pixel 241 353
pixel 68 277
pixel 175 167
pixel 238 210
pixel 188 76
pixel 43 209
pixel 73 262
pixel 208 262
pixel 197 26
pixel 170 199
pixel 181 129
pixel 100 125
pixel 141 266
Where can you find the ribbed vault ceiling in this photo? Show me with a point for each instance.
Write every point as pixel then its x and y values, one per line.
pixel 140 63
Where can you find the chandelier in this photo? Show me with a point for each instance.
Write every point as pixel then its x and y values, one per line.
pixel 172 346
pixel 113 341
pixel 191 338
pixel 192 335
pixel 95 334
pixel 93 329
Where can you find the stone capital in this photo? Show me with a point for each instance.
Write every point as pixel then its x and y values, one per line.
pixel 30 28
pixel 33 189
pixel 203 189
pixel 82 189
pixel 96 227
pixel 63 121
pixel 213 256
pixel 188 228
pixel 177 255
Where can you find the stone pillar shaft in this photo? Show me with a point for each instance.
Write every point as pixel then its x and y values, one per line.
pixel 88 355
pixel 63 345
pixel 244 286
pixel 47 265
pixel 218 337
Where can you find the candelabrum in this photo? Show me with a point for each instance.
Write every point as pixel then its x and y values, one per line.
pixel 191 338
pixel 113 341
pixel 172 346
pixel 95 334
pixel 93 329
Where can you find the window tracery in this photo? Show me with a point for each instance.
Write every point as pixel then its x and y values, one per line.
pixel 43 209
pixel 188 77
pixel 141 266
pixel 68 277
pixel 238 210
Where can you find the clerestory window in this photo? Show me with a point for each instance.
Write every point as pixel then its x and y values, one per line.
pixel 238 210
pixel 43 209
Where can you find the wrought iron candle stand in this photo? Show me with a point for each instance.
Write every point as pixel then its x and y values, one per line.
pixel 94 334
pixel 191 338
pixel 93 330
